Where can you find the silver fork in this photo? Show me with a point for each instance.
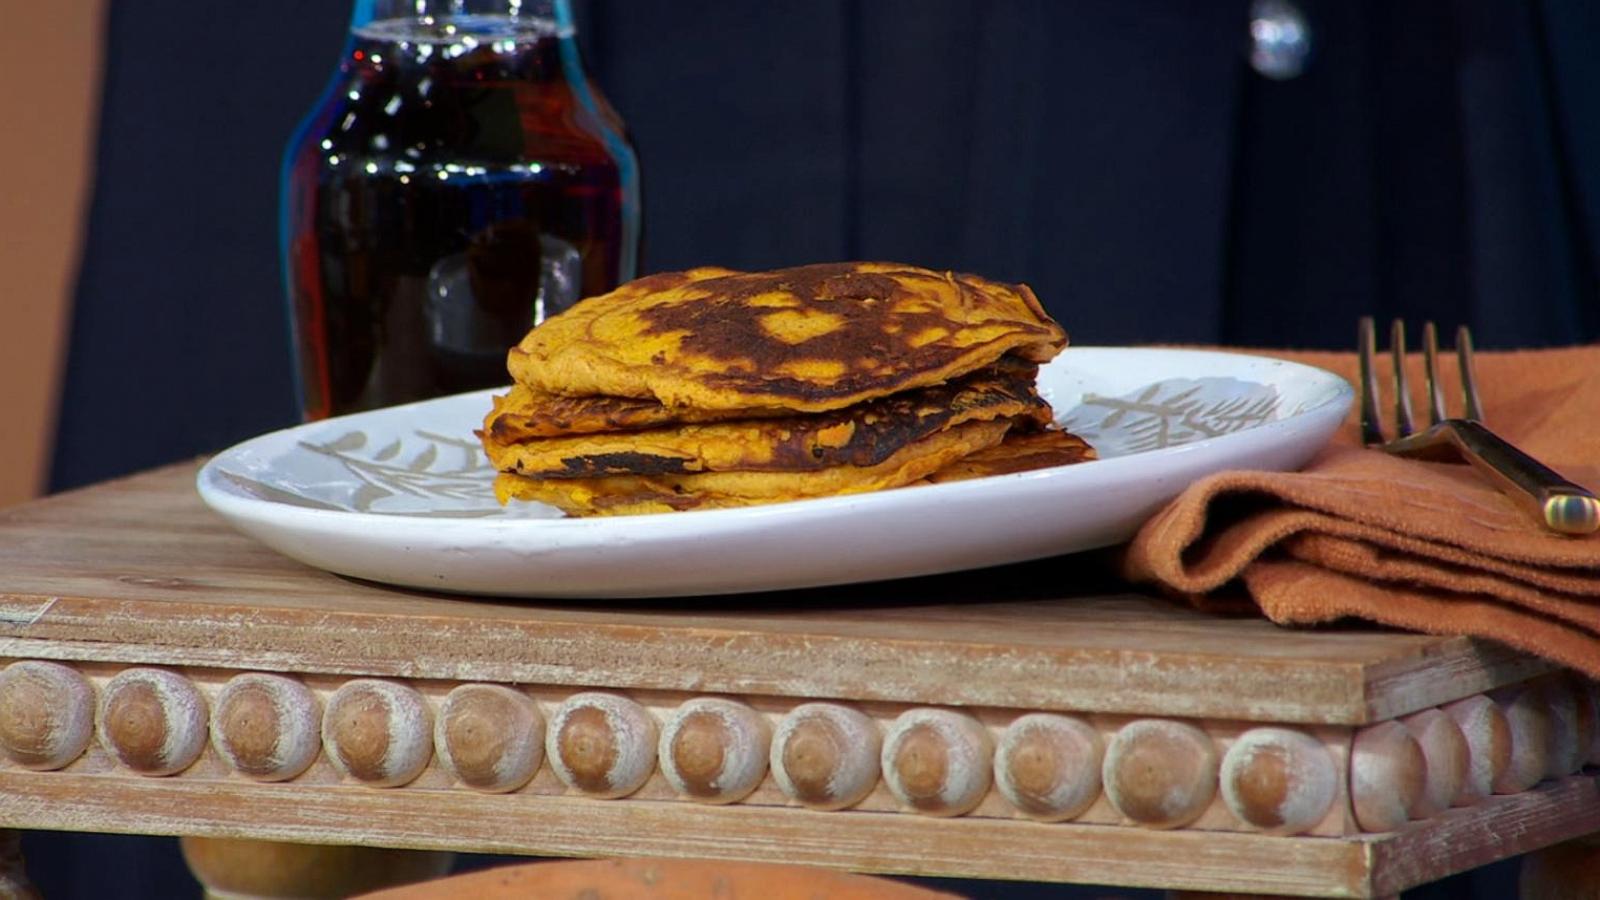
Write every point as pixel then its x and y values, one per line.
pixel 1557 503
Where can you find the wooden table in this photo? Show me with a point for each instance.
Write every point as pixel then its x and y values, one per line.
pixel 165 675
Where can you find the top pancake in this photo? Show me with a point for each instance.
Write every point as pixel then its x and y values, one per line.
pixel 807 339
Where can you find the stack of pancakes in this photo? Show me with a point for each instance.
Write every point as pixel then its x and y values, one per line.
pixel 714 388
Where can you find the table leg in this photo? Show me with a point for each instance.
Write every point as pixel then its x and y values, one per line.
pixel 14 883
pixel 1569 871
pixel 238 869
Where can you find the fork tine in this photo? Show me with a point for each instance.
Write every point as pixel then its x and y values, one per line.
pixel 1366 348
pixel 1469 384
pixel 1430 359
pixel 1402 391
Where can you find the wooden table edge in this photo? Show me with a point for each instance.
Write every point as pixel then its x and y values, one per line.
pixel 885 843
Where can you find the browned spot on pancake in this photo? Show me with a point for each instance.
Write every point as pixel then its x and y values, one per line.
pixel 846 284
pixel 723 325
pixel 588 747
pixel 622 463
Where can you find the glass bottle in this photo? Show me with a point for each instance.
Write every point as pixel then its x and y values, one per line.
pixel 459 179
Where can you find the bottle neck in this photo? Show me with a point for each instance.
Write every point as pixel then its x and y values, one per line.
pixel 480 19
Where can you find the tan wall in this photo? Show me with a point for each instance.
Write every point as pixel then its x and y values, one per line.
pixel 49 98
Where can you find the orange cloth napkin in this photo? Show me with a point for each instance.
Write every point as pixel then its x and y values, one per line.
pixel 1424 546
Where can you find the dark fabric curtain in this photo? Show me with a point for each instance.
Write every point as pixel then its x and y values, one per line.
pixel 1435 160
pixel 1084 148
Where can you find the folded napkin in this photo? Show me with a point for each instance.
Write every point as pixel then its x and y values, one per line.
pixel 1423 546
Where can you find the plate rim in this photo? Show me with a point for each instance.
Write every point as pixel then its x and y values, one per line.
pixel 228 500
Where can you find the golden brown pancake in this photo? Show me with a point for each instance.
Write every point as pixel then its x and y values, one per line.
pixel 526 414
pixel 636 494
pixel 862 435
pixel 1021 451
pixel 808 339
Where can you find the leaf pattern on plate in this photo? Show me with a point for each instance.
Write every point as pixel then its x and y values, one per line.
pixel 410 468
pixel 1170 413
pixel 428 473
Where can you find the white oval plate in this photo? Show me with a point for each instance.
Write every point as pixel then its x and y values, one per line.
pixel 403 495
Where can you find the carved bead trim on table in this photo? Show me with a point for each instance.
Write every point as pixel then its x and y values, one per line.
pixel 266 727
pixel 1528 719
pixel 1160 773
pixel 1445 750
pixel 1388 774
pixel 378 732
pixel 602 744
pixel 1586 716
pixel 938 761
pixel 1563 756
pixel 46 714
pixel 1483 725
pixel 1048 765
pixel 1591 691
pixel 489 736
pixel 825 755
pixel 153 720
pixel 1279 779
pixel 715 750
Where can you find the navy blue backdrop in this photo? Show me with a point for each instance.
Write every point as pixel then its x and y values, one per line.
pixel 1436 159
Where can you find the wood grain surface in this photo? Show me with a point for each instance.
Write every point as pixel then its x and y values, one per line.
pixel 865 841
pixel 139 571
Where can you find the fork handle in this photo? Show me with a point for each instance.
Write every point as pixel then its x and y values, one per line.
pixel 1562 506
